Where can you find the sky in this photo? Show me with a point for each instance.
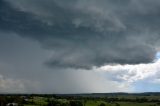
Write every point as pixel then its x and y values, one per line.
pixel 79 46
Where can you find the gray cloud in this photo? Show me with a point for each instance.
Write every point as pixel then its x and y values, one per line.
pixel 84 34
pixel 22 71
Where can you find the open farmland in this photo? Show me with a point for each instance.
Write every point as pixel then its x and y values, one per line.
pixel 112 99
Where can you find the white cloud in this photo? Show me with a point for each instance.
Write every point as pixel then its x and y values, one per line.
pixel 132 73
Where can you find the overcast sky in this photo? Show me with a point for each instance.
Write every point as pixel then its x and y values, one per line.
pixel 79 46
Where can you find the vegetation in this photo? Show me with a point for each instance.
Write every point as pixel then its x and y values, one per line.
pixel 80 100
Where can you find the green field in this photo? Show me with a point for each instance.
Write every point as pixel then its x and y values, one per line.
pixel 82 100
pixel 42 101
pixel 97 103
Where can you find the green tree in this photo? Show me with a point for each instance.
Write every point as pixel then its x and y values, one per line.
pixel 102 104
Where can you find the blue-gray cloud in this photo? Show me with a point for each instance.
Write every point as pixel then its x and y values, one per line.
pixel 84 34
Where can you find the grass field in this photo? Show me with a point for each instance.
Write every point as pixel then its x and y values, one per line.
pixel 52 100
pixel 40 101
pixel 93 103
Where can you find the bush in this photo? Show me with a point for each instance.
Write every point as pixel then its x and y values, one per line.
pixel 76 103
pixel 117 104
pixel 102 104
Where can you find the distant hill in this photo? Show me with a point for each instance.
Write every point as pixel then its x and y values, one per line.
pixel 112 94
pixel 92 94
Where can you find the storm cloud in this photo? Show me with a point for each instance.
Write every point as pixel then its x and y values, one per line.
pixel 86 34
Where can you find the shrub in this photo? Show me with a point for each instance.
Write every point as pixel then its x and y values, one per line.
pixel 102 104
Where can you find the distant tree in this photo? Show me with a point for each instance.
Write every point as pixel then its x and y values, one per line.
pixel 3 101
pixel 102 104
pixel 142 100
pixel 158 103
pixel 153 105
pixel 76 103
pixel 53 103
pixel 117 104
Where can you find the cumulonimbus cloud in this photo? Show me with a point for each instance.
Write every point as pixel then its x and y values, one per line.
pixel 84 34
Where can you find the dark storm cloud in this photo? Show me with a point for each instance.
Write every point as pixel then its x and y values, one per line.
pixel 83 33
